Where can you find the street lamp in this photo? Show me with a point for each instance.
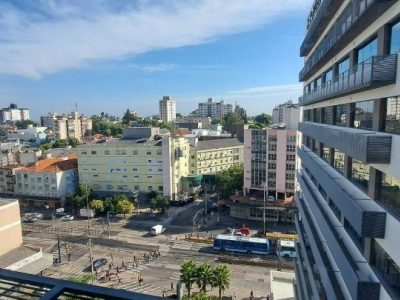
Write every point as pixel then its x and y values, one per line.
pixel 58 241
pixel 264 185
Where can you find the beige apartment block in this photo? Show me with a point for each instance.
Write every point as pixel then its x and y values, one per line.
pixel 10 225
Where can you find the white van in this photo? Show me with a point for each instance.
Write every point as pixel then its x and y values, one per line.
pixel 286 249
pixel 157 229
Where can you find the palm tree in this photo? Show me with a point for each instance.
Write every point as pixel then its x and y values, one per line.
pixel 188 275
pixel 221 278
pixel 204 276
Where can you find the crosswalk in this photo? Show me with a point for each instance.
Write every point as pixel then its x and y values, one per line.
pixel 136 287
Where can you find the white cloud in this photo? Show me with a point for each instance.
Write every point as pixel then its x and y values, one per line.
pixel 269 90
pixel 158 68
pixel 55 35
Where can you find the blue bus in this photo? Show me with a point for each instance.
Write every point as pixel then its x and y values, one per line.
pixel 241 244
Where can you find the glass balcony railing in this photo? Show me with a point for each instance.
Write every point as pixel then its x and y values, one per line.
pixel 351 14
pixel 376 71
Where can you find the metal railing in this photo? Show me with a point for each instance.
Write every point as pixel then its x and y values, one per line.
pixel 378 70
pixel 344 23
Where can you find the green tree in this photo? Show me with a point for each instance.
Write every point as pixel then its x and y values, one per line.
pixel 217 121
pixel 82 279
pixel 23 124
pixel 83 192
pixel 73 142
pixel 188 275
pixel 221 279
pixel 232 118
pixel 124 207
pixel 204 276
pixel 229 181
pixel 60 143
pixel 264 119
pixel 97 205
pixel 256 126
pixel 160 202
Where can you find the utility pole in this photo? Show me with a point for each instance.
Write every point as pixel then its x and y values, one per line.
pixel 91 259
pixel 87 211
pixel 279 255
pixel 58 241
pixel 265 187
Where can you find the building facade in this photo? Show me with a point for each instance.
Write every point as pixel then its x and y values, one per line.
pixel 167 109
pixel 67 126
pixel 349 176
pixel 270 161
pixel 48 182
pixel 7 180
pixel 286 113
pixel 134 165
pixel 200 122
pixel 213 109
pixel 10 225
pixel 13 113
pixel 212 156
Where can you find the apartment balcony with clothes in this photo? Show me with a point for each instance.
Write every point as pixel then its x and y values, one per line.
pixel 348 25
pixel 375 72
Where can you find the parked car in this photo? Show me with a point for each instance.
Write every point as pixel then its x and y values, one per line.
pixel 99 263
pixel 67 218
pixel 271 198
pixel 229 230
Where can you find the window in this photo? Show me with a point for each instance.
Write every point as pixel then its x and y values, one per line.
pixel 135 152
pixel 290 157
pixel 148 153
pixel 327 115
pixel 289 176
pixel 328 76
pixel 291 148
pixel 363 114
pixel 272 156
pixel 341 115
pixel 338 161
pixel 134 169
pixel 325 153
pixel 149 161
pixel 149 176
pixel 291 139
pixel 272 147
pixel 107 152
pixel 392 120
pixel 136 188
pixel 289 186
pixel 344 66
pixel 390 194
pixel 290 167
pixel 394 38
pixel 159 152
pixel 94 152
pixel 84 152
pixel 360 174
pixel 271 165
pixel 149 188
pixel 160 188
pixel 367 51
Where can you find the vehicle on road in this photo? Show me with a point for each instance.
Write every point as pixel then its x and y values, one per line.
pixel 271 198
pixel 99 263
pixel 286 249
pixel 241 244
pixel 84 213
pixel 229 230
pixel 67 218
pixel 30 219
pixel 157 229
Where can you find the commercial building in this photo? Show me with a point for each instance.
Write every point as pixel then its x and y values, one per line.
pixel 7 180
pixel 349 177
pixel 167 109
pixel 286 113
pixel 213 109
pixel 212 156
pixel 138 162
pixel 67 126
pixel 13 113
pixel 48 182
pixel 200 122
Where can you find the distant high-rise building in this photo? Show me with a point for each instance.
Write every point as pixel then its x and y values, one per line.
pixel 213 109
pixel 349 177
pixel 13 113
pixel 68 126
pixel 287 113
pixel 167 109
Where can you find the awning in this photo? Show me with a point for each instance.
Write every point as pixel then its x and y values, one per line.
pixel 38 265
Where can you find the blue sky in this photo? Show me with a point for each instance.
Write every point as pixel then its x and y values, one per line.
pixel 111 55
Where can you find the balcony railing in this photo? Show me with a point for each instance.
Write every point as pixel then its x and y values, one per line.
pixel 340 31
pixel 374 72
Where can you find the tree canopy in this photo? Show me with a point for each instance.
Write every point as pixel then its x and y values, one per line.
pixel 229 181
pixel 159 202
pixel 97 205
pixel 188 275
pixel 264 119
pixel 124 207
pixel 23 124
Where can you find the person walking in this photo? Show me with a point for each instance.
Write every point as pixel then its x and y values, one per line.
pixel 251 294
pixel 172 286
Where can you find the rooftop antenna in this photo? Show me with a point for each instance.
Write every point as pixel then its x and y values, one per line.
pixel 76 107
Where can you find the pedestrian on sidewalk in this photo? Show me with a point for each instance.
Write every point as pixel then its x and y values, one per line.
pixel 251 294
pixel 172 286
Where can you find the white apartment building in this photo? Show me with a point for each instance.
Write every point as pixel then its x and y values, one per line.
pixel 287 113
pixel 67 126
pixel 167 109
pixel 13 113
pixel 213 109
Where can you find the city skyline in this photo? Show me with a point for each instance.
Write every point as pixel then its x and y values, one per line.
pixel 235 60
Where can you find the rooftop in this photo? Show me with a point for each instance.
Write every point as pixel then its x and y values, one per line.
pixel 56 164
pixel 16 255
pixel 5 201
pixel 217 143
pixel 122 142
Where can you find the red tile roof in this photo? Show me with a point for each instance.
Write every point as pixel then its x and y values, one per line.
pixel 55 165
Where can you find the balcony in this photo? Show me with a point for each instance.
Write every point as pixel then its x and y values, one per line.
pixel 352 269
pixel 320 15
pixel 366 217
pixel 353 20
pixel 363 145
pixel 375 72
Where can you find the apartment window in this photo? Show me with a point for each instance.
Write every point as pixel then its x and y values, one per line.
pixel 386 267
pixel 271 175
pixel 289 186
pixel 149 176
pixel 272 138
pixel 107 152
pixel 290 157
pixel 84 152
pixel 136 188
pixel 291 139
pixel 344 66
pixel 149 161
pixel 272 166
pixel 290 167
pixel 291 148
pixel 272 147
pixel 325 153
pixel 160 188
pixel 395 38
pixel 338 161
pixel 272 156
pixel 148 153
pixel 136 176
pixel 25 176
pixel 390 194
pixel 135 152
pixel 318 115
pixel 289 176
pixel 363 114
pixel 360 174
pixel 109 187
pixel 367 51
pixel 341 115
pixel 327 115
pixel 392 120
pixel 134 169
pixel 328 76
pixel 150 188
pixel 95 175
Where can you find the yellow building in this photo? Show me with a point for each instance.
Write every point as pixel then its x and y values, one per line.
pixel 212 156
pixel 134 165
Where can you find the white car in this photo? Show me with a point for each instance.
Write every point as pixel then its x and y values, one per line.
pixel 67 218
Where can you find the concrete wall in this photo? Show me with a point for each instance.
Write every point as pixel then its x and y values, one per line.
pixel 10 226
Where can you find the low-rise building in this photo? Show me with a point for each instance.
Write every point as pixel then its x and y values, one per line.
pixel 9 153
pixel 135 163
pixel 35 135
pixel 48 182
pixel 204 121
pixel 7 180
pixel 10 225
pixel 212 156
